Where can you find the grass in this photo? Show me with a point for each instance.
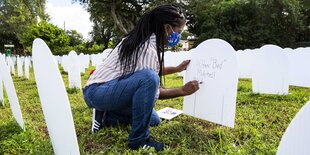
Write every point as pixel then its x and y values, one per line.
pixel 260 123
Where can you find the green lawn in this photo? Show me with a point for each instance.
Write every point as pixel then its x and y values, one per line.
pixel 260 123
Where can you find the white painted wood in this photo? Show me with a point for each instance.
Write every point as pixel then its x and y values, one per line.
pixel 14 58
pixel 11 92
pixel 296 138
pixel 246 61
pixel 1 87
pixel 299 59
pixel 11 65
pixel 64 63
pixel 27 66
pixel 54 100
pixel 19 67
pixel 214 63
pixel 74 73
pixel 82 63
pixel 271 74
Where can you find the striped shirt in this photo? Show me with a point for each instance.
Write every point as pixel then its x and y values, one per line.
pixel 110 68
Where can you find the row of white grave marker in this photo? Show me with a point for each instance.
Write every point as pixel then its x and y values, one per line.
pixel 54 100
pixel 213 63
pixel 1 85
pixel 75 64
pixel 215 101
pixel 22 62
pixel 11 92
pixel 272 68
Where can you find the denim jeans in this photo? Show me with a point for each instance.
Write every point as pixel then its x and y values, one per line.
pixel 128 100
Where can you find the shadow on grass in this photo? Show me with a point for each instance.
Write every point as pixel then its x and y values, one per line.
pixel 64 72
pixel 73 90
pixel 9 129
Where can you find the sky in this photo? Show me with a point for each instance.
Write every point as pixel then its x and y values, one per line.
pixel 74 16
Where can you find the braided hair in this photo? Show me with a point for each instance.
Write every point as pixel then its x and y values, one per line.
pixel 151 22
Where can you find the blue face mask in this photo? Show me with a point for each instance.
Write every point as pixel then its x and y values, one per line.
pixel 173 39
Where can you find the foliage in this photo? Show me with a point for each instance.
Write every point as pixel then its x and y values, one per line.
pixel 304 36
pixel 114 19
pixel 102 31
pixel 176 48
pixel 95 48
pixel 260 123
pixel 186 34
pixel 243 23
pixel 16 16
pixel 122 14
pixel 75 37
pixel 247 23
pixel 54 37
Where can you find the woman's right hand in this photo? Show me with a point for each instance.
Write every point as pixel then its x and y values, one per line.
pixel 190 87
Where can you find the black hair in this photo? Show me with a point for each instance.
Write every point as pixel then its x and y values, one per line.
pixel 151 22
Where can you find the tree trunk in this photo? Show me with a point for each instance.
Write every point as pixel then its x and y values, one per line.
pixel 118 22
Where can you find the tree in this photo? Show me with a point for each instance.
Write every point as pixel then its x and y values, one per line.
pixel 101 33
pixel 16 16
pixel 123 14
pixel 247 23
pixel 120 16
pixel 54 37
pixel 75 37
pixel 304 36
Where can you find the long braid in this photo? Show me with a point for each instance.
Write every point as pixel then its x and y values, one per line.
pixel 149 23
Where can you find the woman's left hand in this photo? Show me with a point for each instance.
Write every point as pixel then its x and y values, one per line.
pixel 181 67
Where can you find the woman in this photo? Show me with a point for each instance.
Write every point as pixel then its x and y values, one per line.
pixel 125 87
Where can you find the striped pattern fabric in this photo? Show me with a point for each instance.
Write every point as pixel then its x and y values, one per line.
pixel 110 68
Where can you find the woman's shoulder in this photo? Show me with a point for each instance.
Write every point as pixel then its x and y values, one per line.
pixel 152 41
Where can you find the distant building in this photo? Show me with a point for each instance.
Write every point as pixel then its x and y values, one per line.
pixel 184 45
pixel 191 40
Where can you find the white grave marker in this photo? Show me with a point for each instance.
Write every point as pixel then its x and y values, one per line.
pixel 1 92
pixel 14 58
pixel 64 63
pixel 27 66
pixel 54 100
pixel 1 88
pixel 19 67
pixel 82 63
pixel 296 139
pixel 10 90
pixel 11 65
pixel 74 73
pixel 92 59
pixel 299 75
pixel 214 63
pixel 87 60
pixel 271 74
pixel 246 62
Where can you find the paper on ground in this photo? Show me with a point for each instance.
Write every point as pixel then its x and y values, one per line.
pixel 168 113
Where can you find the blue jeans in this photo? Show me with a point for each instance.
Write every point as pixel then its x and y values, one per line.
pixel 124 117
pixel 128 101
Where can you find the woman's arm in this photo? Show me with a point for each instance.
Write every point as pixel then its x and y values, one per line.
pixel 188 89
pixel 170 70
pixel 179 68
